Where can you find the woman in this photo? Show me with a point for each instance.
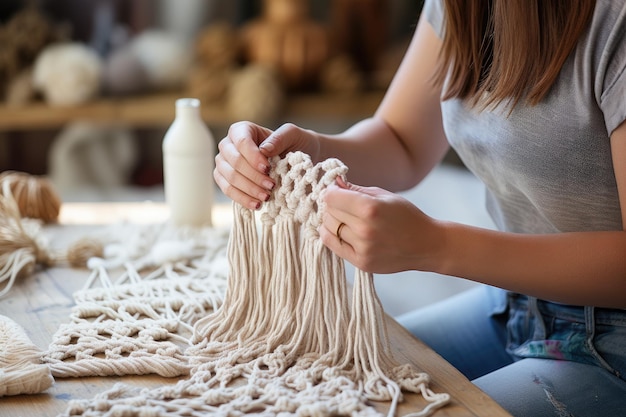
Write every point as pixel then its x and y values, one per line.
pixel 532 96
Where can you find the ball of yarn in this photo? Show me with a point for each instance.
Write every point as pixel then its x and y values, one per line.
pixel 68 73
pixel 22 247
pixel 255 94
pixel 35 196
pixel 82 251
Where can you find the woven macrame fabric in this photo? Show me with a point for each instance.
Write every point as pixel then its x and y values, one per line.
pixel 136 312
pixel 289 337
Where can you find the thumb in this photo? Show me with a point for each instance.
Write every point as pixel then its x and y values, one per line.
pixel 268 147
pixel 287 137
pixel 342 183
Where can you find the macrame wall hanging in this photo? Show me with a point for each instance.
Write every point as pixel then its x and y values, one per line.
pixel 287 337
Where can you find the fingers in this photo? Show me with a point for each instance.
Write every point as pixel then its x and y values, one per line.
pixel 290 137
pixel 242 165
pixel 241 171
pixel 238 187
pixel 336 230
pixel 337 236
pixel 348 210
pixel 246 138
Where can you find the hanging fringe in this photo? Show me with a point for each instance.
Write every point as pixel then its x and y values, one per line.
pixel 287 338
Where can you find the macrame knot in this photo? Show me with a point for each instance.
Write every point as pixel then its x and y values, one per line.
pixel 299 187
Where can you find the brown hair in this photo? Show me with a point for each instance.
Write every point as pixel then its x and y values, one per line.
pixel 512 49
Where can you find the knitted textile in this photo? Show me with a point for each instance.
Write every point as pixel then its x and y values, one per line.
pixel 287 339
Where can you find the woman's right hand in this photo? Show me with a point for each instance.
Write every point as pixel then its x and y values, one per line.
pixel 242 163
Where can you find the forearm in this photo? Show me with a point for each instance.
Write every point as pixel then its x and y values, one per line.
pixel 585 268
pixel 376 156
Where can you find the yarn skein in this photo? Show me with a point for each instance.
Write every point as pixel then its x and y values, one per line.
pixel 36 196
pixel 20 248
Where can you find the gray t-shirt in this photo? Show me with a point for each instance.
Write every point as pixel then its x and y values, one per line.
pixel 548 168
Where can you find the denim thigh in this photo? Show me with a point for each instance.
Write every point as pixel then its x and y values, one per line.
pixel 468 330
pixel 553 388
pixel 589 335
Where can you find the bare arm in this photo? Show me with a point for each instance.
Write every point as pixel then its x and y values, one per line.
pixel 385 233
pixel 586 268
pixel 404 140
pixel 394 149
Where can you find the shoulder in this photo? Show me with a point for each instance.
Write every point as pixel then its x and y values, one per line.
pixel 604 50
pixel 607 27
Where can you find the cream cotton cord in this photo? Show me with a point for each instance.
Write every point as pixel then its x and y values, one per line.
pixel 136 312
pixel 288 339
pixel 21 369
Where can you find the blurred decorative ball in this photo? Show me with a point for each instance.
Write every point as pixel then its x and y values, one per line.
pixel 68 73
pixel 255 94
pixel 217 46
pixel 165 58
pixel 208 84
pixel 288 40
pixel 86 154
pixel 124 73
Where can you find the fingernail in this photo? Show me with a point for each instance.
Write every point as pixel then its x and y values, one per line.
pixel 264 196
pixel 267 146
pixel 268 184
pixel 255 205
pixel 264 168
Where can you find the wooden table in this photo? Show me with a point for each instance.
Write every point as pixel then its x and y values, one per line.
pixel 42 301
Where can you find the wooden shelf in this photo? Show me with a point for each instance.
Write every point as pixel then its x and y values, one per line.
pixel 158 111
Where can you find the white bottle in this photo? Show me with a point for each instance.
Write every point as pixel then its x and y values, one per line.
pixel 188 161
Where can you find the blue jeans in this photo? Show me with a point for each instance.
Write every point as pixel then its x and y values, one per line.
pixel 534 358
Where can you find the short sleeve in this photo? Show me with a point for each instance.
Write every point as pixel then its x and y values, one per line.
pixel 613 102
pixel 433 11
pixel 613 73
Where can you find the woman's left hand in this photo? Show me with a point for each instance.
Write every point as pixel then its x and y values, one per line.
pixel 382 232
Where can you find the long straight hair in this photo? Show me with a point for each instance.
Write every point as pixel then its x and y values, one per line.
pixel 496 50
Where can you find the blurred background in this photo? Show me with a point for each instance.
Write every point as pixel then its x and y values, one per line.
pixel 87 91
pixel 119 64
